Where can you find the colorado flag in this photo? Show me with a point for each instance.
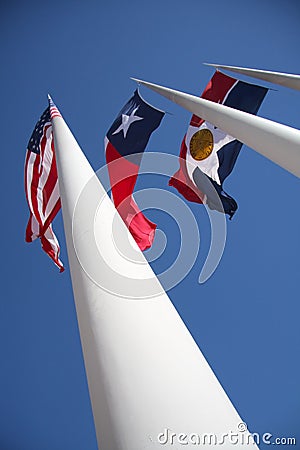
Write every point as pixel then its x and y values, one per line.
pixel 208 154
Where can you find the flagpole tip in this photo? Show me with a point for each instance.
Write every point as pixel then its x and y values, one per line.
pixel 210 64
pixel 136 79
pixel 144 83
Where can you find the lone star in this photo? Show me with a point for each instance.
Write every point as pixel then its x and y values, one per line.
pixel 127 121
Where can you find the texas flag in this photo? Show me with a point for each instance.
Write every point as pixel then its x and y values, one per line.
pixel 125 143
pixel 208 154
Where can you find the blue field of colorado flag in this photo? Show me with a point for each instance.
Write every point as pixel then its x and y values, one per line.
pixel 208 154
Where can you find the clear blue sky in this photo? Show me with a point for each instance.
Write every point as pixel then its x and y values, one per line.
pixel 245 318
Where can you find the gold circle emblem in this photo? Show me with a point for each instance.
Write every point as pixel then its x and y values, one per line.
pixel 201 144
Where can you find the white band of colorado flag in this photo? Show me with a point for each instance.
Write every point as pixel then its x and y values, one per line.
pixel 207 154
pixel 41 188
pixel 125 142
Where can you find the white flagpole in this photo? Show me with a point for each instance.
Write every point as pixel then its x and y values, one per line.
pixel 147 378
pixel 289 80
pixel 277 142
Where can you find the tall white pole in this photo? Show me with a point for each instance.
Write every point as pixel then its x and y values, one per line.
pixel 289 80
pixel 148 380
pixel 277 142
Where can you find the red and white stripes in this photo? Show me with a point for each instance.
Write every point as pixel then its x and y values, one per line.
pixel 42 193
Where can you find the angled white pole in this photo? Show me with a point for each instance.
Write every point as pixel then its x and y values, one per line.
pixel 289 80
pixel 277 142
pixel 147 378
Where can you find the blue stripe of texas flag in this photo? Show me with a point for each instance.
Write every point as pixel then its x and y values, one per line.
pixel 138 133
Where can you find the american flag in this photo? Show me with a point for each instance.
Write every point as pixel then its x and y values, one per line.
pixel 41 186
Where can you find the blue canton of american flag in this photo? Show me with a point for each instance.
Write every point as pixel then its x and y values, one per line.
pixel 36 137
pixel 41 187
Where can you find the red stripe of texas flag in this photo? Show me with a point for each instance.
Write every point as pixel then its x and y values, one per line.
pixel 123 174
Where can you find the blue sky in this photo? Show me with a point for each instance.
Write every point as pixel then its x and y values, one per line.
pixel 245 318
